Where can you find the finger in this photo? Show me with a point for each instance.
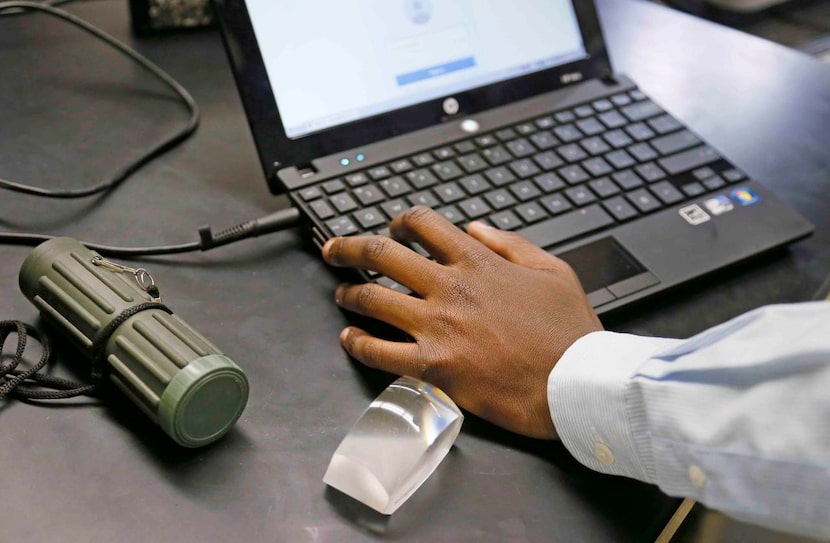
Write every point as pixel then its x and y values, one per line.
pixel 515 248
pixel 399 358
pixel 443 240
pixel 383 255
pixel 372 300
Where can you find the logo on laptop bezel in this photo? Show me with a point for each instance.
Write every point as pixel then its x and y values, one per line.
pixel 451 106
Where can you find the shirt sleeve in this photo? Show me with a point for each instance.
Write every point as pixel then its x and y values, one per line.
pixel 737 417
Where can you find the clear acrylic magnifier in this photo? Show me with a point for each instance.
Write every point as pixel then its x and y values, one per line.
pixel 395 445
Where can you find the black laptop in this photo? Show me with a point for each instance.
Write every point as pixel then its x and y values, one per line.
pixel 508 112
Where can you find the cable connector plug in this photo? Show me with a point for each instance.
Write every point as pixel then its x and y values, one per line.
pixel 274 222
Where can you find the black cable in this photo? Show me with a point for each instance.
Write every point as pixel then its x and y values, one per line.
pixel 29 383
pixel 15 6
pixel 273 222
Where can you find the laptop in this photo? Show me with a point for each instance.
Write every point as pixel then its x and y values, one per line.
pixel 508 112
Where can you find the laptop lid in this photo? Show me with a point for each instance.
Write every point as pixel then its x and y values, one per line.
pixel 318 77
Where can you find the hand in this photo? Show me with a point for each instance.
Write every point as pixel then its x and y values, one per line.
pixel 493 315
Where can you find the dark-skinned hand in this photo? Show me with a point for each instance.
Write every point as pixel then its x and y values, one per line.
pixel 492 316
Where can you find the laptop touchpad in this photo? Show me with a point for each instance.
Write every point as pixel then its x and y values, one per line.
pixel 607 270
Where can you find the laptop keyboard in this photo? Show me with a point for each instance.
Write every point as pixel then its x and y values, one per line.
pixel 551 178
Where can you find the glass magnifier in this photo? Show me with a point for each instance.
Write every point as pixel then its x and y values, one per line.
pixel 395 445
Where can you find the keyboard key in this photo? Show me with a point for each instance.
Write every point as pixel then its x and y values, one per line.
pixel 580 196
pixel 620 99
pixel 424 198
pixel 617 138
pixel 627 179
pixel 573 174
pixel 310 193
pixel 584 111
pixel 665 124
pixel 401 166
pixel 642 152
pixel 591 126
pixel 643 200
pixel 556 203
pixel 452 214
pixel 446 170
pixel 474 207
pixel 620 208
pixel 689 160
pixel 449 192
pixel 548 160
pixel 565 117
pixel 613 119
pixel 604 187
pixel 544 140
pixel 597 166
pixel 368 195
pixel 421 179
pixel 549 182
pixel 568 133
pixel 525 190
pixel 505 220
pixel 487 140
pixel 639 111
pixel 322 209
pixel 423 159
pixel 637 94
pixel 531 212
pixel 569 225
pixel 640 132
pixel 667 193
pixel 369 218
pixel 595 145
pixel 464 147
pixel 524 168
pixel 443 153
pixel 343 202
pixel 602 105
pixel 393 285
pixel 499 199
pixel 703 173
pixel 342 226
pixel 395 186
pixel 572 152
pixel 497 155
pixel 500 176
pixel 693 189
pixel 521 148
pixel 545 123
pixel 379 172
pixel 672 143
pixel 473 163
pixel 335 185
pixel 620 159
pixel 506 134
pixel 525 129
pixel 650 172
pixel 474 184
pixel 713 183
pixel 393 208
pixel 357 179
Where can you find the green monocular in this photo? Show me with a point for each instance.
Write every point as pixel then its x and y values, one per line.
pixel 114 313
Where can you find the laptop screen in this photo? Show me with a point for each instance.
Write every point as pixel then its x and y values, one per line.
pixel 332 62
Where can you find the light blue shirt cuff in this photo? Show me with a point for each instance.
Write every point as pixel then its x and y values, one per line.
pixel 589 406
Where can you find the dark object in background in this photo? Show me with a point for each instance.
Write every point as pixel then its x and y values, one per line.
pixel 155 16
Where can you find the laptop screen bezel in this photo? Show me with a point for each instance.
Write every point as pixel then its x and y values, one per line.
pixel 276 150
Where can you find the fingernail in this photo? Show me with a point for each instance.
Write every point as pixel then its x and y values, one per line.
pixel 481 224
pixel 344 338
pixel 338 294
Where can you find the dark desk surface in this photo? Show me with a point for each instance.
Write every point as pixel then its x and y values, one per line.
pixel 71 111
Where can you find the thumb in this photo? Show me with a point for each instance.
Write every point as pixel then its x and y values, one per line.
pixel 513 247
